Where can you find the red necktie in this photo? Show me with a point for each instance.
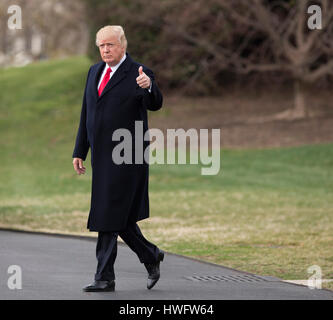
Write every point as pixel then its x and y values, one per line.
pixel 104 81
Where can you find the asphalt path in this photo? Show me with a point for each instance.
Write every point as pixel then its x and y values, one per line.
pixel 55 267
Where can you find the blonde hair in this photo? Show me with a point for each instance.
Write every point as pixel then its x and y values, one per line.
pixel 112 30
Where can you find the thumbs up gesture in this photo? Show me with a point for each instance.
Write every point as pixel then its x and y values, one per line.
pixel 143 80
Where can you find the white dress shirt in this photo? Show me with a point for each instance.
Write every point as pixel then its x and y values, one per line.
pixel 113 70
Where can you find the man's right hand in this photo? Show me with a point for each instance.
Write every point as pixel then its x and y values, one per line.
pixel 78 166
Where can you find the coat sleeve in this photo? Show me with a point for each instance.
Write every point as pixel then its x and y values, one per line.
pixel 152 100
pixel 82 144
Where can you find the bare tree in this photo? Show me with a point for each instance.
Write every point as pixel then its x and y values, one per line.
pixel 57 27
pixel 3 26
pixel 273 36
pixel 210 37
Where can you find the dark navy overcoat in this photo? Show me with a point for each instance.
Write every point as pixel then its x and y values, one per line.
pixel 119 192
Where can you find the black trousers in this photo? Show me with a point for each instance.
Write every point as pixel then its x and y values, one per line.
pixel 106 250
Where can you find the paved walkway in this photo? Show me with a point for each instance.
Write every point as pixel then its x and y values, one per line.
pixel 57 267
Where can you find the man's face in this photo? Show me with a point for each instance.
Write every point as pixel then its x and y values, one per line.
pixel 111 50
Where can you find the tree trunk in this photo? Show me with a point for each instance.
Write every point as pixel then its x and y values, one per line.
pixel 298 111
pixel 300 107
pixel 4 37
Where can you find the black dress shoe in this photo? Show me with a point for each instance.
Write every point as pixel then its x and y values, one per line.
pixel 154 270
pixel 100 286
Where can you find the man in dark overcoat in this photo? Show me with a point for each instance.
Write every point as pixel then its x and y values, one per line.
pixel 118 93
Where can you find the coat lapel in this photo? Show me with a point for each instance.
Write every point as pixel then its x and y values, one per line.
pixel 97 76
pixel 119 75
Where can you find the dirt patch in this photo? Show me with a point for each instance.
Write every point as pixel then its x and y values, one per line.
pixel 247 120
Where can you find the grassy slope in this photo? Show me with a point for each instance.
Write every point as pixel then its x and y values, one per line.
pixel 268 211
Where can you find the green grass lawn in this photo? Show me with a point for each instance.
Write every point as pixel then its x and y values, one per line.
pixel 269 211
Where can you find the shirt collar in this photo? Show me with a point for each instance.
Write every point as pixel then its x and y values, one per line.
pixel 114 68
